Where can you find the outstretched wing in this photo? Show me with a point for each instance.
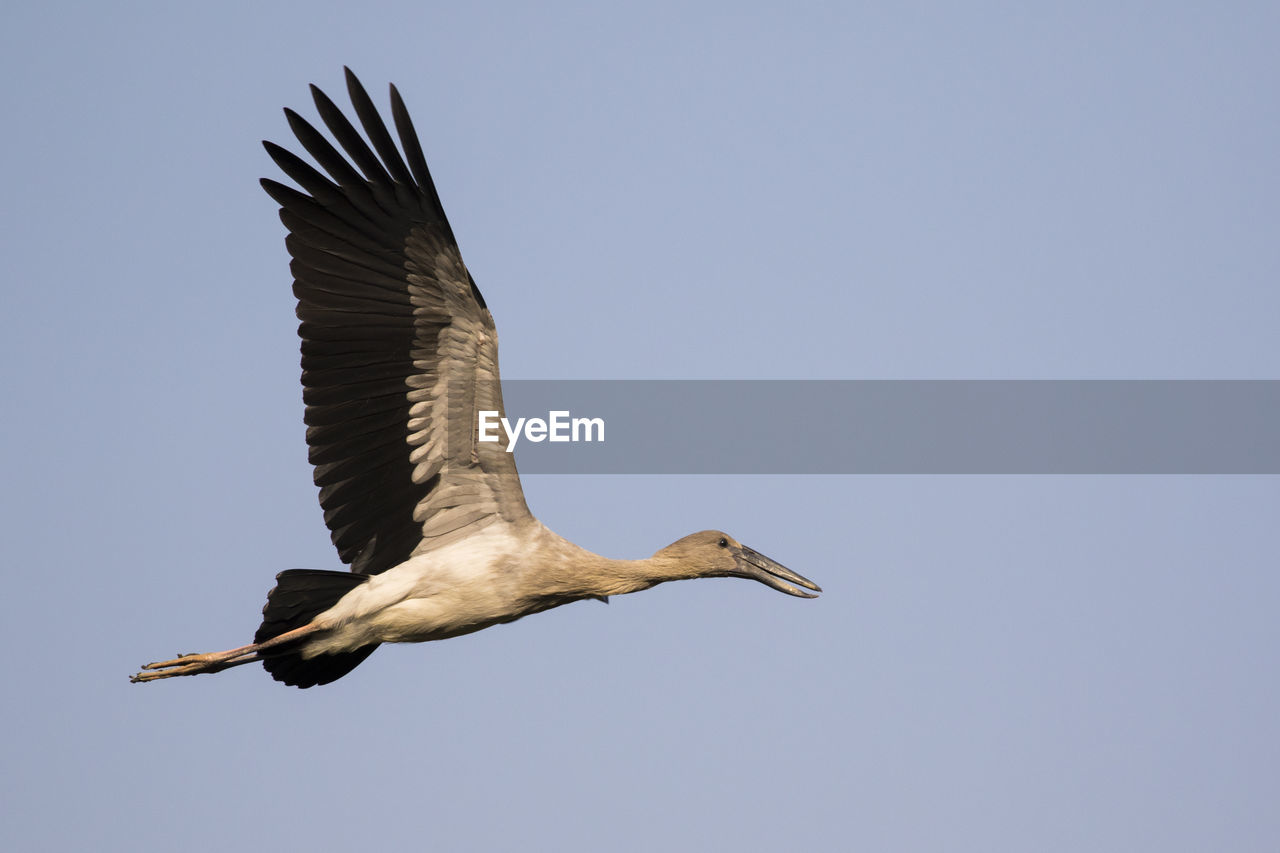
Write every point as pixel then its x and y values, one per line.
pixel 399 350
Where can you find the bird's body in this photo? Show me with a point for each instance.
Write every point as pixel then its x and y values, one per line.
pixel 463 587
pixel 399 354
pixel 500 574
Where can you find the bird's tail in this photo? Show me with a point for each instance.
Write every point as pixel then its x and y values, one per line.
pixel 299 596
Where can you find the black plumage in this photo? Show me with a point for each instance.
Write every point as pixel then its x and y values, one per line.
pixel 298 597
pixel 360 332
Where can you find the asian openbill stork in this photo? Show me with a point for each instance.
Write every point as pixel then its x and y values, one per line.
pixel 399 354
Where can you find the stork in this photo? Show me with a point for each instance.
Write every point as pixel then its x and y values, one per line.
pixel 399 354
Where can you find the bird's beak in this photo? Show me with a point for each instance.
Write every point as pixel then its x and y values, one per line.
pixel 754 565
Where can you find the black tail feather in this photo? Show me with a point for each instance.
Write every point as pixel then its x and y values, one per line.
pixel 298 597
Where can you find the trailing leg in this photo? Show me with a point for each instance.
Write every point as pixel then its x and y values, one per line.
pixel 218 661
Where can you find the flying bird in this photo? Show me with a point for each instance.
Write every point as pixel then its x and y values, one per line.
pixel 399 355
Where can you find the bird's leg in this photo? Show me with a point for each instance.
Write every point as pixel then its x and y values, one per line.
pixel 218 661
pixel 185 665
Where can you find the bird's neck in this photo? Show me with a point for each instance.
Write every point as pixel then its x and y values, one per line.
pixel 568 571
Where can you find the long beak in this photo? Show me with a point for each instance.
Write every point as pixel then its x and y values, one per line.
pixel 754 565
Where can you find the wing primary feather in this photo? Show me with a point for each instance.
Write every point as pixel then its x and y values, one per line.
pixel 332 218
pixel 338 222
pixel 349 138
pixel 360 195
pixel 376 130
pixel 321 188
pixel 417 160
pixel 326 155
pixel 409 140
pixel 283 195
pixel 325 261
pixel 332 235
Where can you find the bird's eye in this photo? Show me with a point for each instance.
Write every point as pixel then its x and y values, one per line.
pixel 724 543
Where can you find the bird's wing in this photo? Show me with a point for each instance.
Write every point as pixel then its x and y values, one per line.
pixel 399 351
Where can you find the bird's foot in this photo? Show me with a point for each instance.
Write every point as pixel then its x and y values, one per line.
pixel 194 664
pixel 218 661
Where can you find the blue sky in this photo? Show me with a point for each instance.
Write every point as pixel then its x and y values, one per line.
pixel 665 191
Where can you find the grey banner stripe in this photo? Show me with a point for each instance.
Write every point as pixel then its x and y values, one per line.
pixel 906 427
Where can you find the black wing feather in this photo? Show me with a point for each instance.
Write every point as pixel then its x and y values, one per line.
pixel 378 279
pixel 377 131
pixel 347 236
pixel 350 140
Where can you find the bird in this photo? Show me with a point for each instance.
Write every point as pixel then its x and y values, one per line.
pixel 399 355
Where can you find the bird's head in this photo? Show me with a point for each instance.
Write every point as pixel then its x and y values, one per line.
pixel 713 554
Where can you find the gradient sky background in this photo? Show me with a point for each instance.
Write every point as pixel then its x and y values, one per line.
pixel 675 191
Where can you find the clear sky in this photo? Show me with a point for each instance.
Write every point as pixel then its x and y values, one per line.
pixel 680 190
